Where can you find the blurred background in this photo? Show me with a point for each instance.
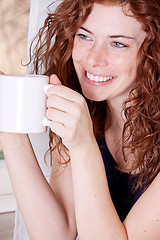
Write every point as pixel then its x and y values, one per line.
pixel 14 18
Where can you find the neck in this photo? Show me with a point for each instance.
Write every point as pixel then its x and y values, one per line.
pixel 117 116
pixel 113 135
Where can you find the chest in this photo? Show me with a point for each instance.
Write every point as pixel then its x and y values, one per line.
pixel 114 145
pixel 120 184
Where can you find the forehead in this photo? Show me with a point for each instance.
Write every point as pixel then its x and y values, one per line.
pixel 111 20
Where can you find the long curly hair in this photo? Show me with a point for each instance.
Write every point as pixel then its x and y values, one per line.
pixel 141 132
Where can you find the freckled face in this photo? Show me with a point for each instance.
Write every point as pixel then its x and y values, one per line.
pixel 105 53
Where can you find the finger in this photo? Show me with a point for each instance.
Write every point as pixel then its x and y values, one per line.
pixel 65 93
pixel 64 130
pixel 67 120
pixel 54 80
pixel 57 128
pixel 56 116
pixel 71 108
pixel 62 104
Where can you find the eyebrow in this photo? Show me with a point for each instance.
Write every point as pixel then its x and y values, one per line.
pixel 112 36
pixel 121 36
pixel 86 30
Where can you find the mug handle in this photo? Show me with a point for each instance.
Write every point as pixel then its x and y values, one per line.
pixel 46 87
pixel 46 121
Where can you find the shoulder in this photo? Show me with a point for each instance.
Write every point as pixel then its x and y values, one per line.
pixel 143 221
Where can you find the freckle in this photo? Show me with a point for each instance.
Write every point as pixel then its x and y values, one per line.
pixel 145 231
pixel 95 196
pixel 157 220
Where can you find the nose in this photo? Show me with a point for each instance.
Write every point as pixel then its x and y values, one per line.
pixel 97 56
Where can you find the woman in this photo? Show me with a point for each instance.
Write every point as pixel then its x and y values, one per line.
pixel 104 112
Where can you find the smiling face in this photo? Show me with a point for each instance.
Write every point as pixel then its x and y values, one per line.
pixel 105 53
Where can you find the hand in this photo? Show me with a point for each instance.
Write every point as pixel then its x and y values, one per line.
pixel 69 115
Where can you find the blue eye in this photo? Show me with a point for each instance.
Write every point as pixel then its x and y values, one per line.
pixel 83 36
pixel 119 45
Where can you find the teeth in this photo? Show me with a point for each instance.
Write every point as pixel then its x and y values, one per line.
pixel 98 78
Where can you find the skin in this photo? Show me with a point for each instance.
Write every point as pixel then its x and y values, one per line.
pixel 100 50
pixel 106 46
pixel 78 198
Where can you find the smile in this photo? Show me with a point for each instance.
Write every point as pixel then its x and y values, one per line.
pixel 98 78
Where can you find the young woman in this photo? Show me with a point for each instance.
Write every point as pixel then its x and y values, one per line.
pixel 104 109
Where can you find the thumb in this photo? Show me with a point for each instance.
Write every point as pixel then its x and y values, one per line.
pixel 54 80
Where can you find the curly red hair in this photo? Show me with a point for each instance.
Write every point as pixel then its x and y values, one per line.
pixel 141 133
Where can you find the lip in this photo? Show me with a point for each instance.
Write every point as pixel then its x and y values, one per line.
pixel 96 74
pixel 88 81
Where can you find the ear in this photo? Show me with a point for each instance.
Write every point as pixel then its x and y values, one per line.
pixel 54 80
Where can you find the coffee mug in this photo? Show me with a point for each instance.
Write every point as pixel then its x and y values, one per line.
pixel 23 103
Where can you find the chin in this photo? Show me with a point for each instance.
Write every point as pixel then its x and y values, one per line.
pixel 92 96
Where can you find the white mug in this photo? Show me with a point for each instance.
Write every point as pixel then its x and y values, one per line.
pixel 23 103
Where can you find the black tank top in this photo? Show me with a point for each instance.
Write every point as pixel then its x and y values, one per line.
pixel 120 184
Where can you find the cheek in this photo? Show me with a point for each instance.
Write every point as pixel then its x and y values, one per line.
pixel 132 65
pixel 127 63
pixel 80 51
pixel 77 52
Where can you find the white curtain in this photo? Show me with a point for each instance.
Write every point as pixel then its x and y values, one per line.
pixel 38 12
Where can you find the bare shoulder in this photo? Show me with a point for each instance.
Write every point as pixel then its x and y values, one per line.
pixel 143 221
